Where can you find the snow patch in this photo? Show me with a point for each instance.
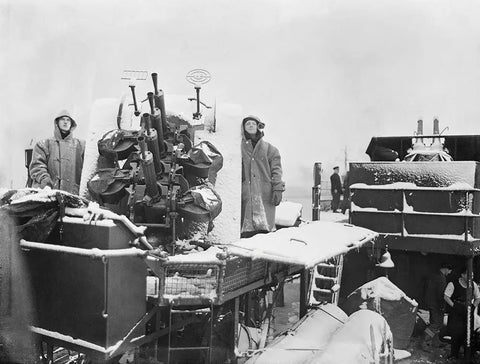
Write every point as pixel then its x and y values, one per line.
pixel 102 119
pixel 382 288
pixel 71 340
pixel 408 186
pixel 227 140
pixel 307 244
pixel 287 213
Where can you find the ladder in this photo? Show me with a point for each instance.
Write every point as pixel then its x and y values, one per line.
pixel 186 311
pixel 326 279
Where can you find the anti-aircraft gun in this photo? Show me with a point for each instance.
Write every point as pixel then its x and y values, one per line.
pixel 101 286
pixel 156 175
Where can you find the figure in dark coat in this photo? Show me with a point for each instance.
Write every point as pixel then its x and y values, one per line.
pixel 434 300
pixel 336 188
pixel 455 296
pixel 262 184
pixel 57 162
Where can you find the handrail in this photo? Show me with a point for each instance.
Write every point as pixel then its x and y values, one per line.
pixel 94 212
pixel 93 253
pixel 391 187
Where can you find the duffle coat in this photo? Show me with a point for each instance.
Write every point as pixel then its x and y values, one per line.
pixel 58 160
pixel 261 174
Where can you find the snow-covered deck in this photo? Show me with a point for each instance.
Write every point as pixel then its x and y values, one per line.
pixel 306 245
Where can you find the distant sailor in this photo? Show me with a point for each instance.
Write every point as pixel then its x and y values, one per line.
pixel 262 184
pixel 336 188
pixel 57 162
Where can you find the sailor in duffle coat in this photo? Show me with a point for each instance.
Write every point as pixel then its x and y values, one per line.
pixel 262 184
pixel 57 162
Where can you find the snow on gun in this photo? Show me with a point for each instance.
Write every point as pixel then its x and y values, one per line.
pixel 154 189
pixel 159 167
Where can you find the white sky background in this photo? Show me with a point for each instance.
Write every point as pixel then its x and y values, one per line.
pixel 322 74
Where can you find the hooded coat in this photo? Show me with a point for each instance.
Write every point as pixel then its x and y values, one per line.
pixel 58 161
pixel 261 175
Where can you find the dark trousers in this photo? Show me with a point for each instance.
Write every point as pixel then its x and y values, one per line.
pixel 456 343
pixel 436 319
pixel 457 329
pixel 335 201
pixel 345 203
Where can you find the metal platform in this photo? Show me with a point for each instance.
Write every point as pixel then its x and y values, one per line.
pixel 424 207
pixel 90 286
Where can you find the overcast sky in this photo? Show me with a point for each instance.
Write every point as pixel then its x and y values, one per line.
pixel 324 75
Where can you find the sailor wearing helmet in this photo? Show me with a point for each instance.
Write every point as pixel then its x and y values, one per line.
pixel 262 184
pixel 57 162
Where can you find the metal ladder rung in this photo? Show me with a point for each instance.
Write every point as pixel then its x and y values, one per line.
pixel 198 311
pixel 325 278
pixel 325 274
pixel 322 290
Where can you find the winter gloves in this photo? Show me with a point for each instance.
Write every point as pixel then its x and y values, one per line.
pixel 276 197
pixel 46 181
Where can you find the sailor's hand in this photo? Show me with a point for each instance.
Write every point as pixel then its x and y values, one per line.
pixel 46 182
pixel 276 197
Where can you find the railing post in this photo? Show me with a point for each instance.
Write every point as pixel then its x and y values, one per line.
pixel 304 291
pixel 316 190
pixel 468 346
pixel 402 233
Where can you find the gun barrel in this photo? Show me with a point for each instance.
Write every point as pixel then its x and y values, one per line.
pixel 132 88
pixel 155 82
pixel 148 169
pixel 145 122
pixel 156 123
pixel 160 103
pixel 152 143
pixel 142 145
pixel 151 101
pixel 149 175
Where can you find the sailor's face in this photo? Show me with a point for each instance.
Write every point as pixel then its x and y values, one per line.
pixel 64 123
pixel 251 127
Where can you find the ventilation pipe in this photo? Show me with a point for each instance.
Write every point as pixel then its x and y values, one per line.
pixel 419 140
pixel 437 143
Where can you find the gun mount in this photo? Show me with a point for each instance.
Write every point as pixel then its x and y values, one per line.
pixel 155 174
